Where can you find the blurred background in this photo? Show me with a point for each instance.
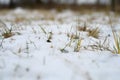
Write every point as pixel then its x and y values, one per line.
pixel 113 5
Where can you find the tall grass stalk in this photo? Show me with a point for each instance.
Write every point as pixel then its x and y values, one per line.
pixel 64 48
pixel 43 30
pixel 94 32
pixel 78 45
pixel 116 37
pixel 117 42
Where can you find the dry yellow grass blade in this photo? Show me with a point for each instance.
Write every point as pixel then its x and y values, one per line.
pixel 78 45
pixel 117 42
pixel 94 33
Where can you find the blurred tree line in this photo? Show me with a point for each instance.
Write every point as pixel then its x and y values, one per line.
pixel 115 5
pixel 13 3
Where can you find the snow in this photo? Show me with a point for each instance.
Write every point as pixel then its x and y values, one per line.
pixel 28 55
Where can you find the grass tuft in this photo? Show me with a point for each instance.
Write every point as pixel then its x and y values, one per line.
pixel 63 50
pixel 117 42
pixel 94 32
pixel 116 37
pixel 84 28
pixel 5 31
pixel 8 33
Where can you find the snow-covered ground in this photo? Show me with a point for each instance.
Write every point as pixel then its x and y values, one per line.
pixel 43 47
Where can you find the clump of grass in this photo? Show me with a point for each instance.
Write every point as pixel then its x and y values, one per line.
pixel 8 33
pixel 63 50
pixel 5 31
pixel 117 42
pixel 48 34
pixel 73 40
pixel 83 28
pixel 94 32
pixel 73 36
pixel 101 45
pixel 116 37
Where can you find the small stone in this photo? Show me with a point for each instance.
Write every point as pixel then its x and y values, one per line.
pixel 48 41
